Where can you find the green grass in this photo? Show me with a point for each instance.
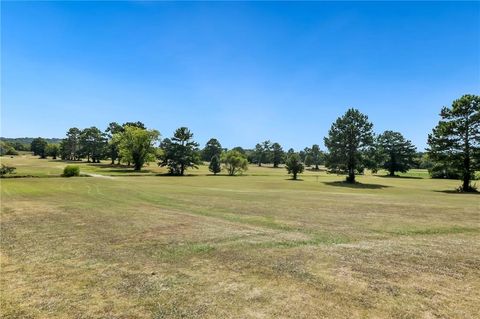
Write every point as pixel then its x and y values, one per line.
pixel 251 246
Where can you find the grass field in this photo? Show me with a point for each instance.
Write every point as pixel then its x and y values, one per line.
pixel 255 246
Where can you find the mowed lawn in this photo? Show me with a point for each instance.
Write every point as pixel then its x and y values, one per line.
pixel 253 246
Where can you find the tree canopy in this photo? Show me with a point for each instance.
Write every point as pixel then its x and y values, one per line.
pixel 294 165
pixel 277 154
pixel 180 152
pixel 455 141
pixel 137 145
pixel 348 140
pixel 396 153
pixel 39 147
pixel 234 162
pixel 215 165
pixel 212 148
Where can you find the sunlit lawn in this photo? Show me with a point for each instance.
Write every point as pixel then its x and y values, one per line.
pixel 253 246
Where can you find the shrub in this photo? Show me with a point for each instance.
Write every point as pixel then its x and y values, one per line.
pixel 71 170
pixel 6 170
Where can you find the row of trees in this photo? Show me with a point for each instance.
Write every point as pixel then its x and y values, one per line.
pixel 352 147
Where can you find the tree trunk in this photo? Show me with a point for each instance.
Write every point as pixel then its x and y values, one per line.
pixel 137 167
pixel 294 175
pixel 316 167
pixel 392 172
pixel 351 176
pixel 466 169
pixel 466 183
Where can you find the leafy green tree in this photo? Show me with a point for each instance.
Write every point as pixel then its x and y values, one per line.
pixel 93 144
pixel 180 152
pixel 262 153
pixel 348 140
pixel 294 165
pixel 305 156
pixel 314 156
pixel 239 149
pixel 113 151
pixel 38 147
pixel 70 146
pixel 135 124
pixel 5 170
pixel 214 165
pixel 137 145
pixel 277 154
pixel 53 150
pixel 7 149
pixel 212 148
pixel 234 162
pixel 396 153
pixel 455 141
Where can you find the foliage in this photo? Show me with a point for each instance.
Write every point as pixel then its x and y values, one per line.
pixel 112 145
pixel 70 146
pixel 262 153
pixel 396 154
pixel 5 170
pixel 93 144
pixel 214 165
pixel 136 145
pixel 212 148
pixel 53 150
pixel 240 149
pixel 180 152
pixel 348 140
pixel 277 154
pixel 442 170
pixel 71 170
pixel 423 161
pixel 38 147
pixel 455 141
pixel 313 156
pixel 7 149
pixel 294 165
pixel 234 162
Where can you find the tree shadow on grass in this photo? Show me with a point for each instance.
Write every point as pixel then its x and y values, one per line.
pixel 355 185
pixel 131 170
pixel 398 176
pixel 454 191
pixel 294 180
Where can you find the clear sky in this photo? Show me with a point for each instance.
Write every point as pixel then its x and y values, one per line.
pixel 241 72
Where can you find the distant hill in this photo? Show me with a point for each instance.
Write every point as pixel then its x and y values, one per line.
pixel 28 140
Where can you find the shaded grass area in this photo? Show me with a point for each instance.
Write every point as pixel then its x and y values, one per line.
pixel 245 247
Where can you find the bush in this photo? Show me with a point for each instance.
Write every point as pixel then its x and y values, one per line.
pixel 71 170
pixel 6 170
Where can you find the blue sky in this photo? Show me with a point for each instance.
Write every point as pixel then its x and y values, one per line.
pixel 241 72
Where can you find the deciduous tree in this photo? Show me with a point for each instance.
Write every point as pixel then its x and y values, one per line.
pixel 137 145
pixel 234 162
pixel 39 147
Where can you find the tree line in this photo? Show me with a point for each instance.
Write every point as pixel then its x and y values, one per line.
pixel 351 147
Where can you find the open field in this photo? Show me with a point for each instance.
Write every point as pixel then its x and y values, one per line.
pixel 255 246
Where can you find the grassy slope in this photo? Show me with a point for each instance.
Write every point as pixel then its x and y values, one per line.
pixel 244 247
